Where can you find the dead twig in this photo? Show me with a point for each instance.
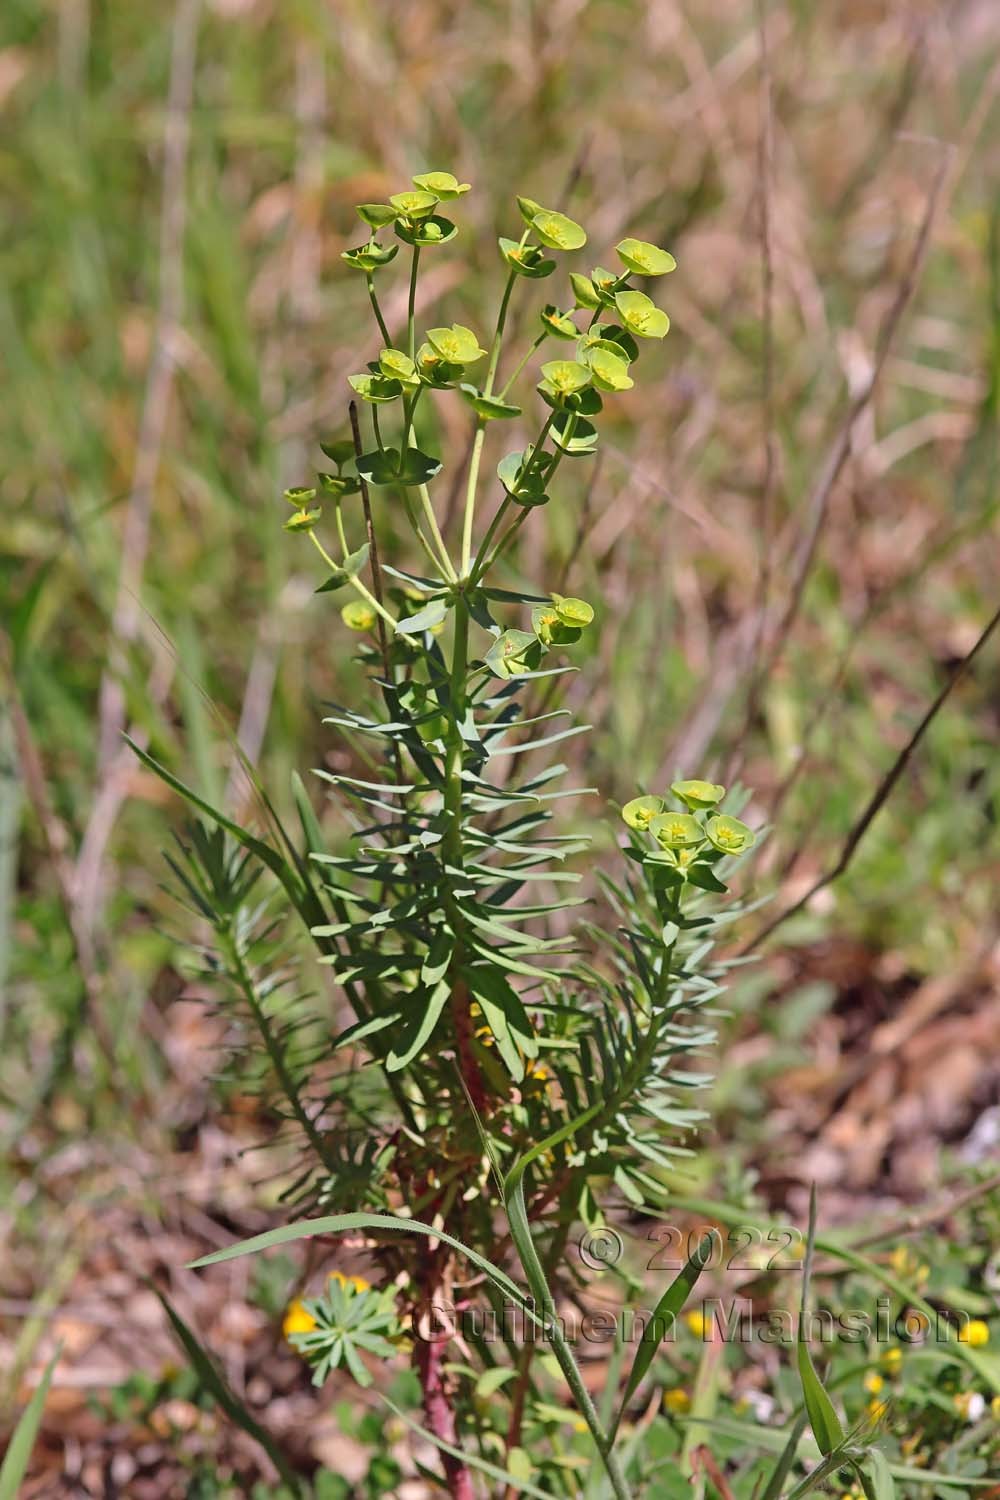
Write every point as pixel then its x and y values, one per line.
pixel 913 1223
pixel 882 792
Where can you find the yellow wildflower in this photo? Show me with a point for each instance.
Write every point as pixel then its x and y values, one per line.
pixel 903 1261
pixel 357 1282
pixel 676 1400
pixel 873 1382
pixel 297 1319
pixel 908 1446
pixel 995 1407
pixel 891 1360
pixel 579 1425
pixel 697 1322
pixel 877 1409
pixel 976 1333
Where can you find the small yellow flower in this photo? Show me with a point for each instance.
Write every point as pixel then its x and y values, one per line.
pixel 579 1425
pixel 697 1322
pixel 357 1282
pixel 995 1407
pixel 677 1400
pixel 892 1360
pixel 877 1409
pixel 976 1333
pixel 873 1382
pixel 297 1320
pixel 903 1261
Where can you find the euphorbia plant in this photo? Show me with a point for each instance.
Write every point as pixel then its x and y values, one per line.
pixel 514 1084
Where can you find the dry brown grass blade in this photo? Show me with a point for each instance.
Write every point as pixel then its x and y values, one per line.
pixel 113 758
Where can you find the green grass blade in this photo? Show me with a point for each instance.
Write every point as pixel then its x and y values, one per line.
pixel 520 1229
pixel 826 1425
pixel 782 1468
pixel 663 1319
pixel 471 1460
pixel 306 1229
pixel 771 1441
pixel 875 1474
pixel 224 1398
pixel 264 852
pixel 986 1366
pixel 19 1449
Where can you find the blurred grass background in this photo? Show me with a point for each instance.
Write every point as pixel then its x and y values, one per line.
pixel 176 186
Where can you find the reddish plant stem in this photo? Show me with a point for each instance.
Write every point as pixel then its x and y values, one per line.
pixel 439 1414
pixel 465 1053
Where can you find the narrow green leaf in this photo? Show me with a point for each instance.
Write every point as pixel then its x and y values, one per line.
pixel 490 1381
pixel 663 1319
pixel 224 1398
pixel 826 1425
pixel 418 1032
pixel 782 1468
pixel 264 852
pixel 307 816
pixel 505 1016
pixel 876 1476
pixel 306 1229
pixel 425 619
pixel 22 1442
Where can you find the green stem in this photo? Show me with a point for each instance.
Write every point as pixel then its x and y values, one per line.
pixel 356 584
pixel 444 557
pixel 411 327
pixel 453 762
pixel 477 563
pixel 378 312
pixel 470 494
pixel 477 444
pixel 275 1054
pixel 615 286
pixel 341 533
pixel 536 1278
pixel 409 407
pixel 433 557
pixel 505 541
pixel 479 568
pixel 522 362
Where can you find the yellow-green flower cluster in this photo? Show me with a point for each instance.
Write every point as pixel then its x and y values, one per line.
pixel 699 828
